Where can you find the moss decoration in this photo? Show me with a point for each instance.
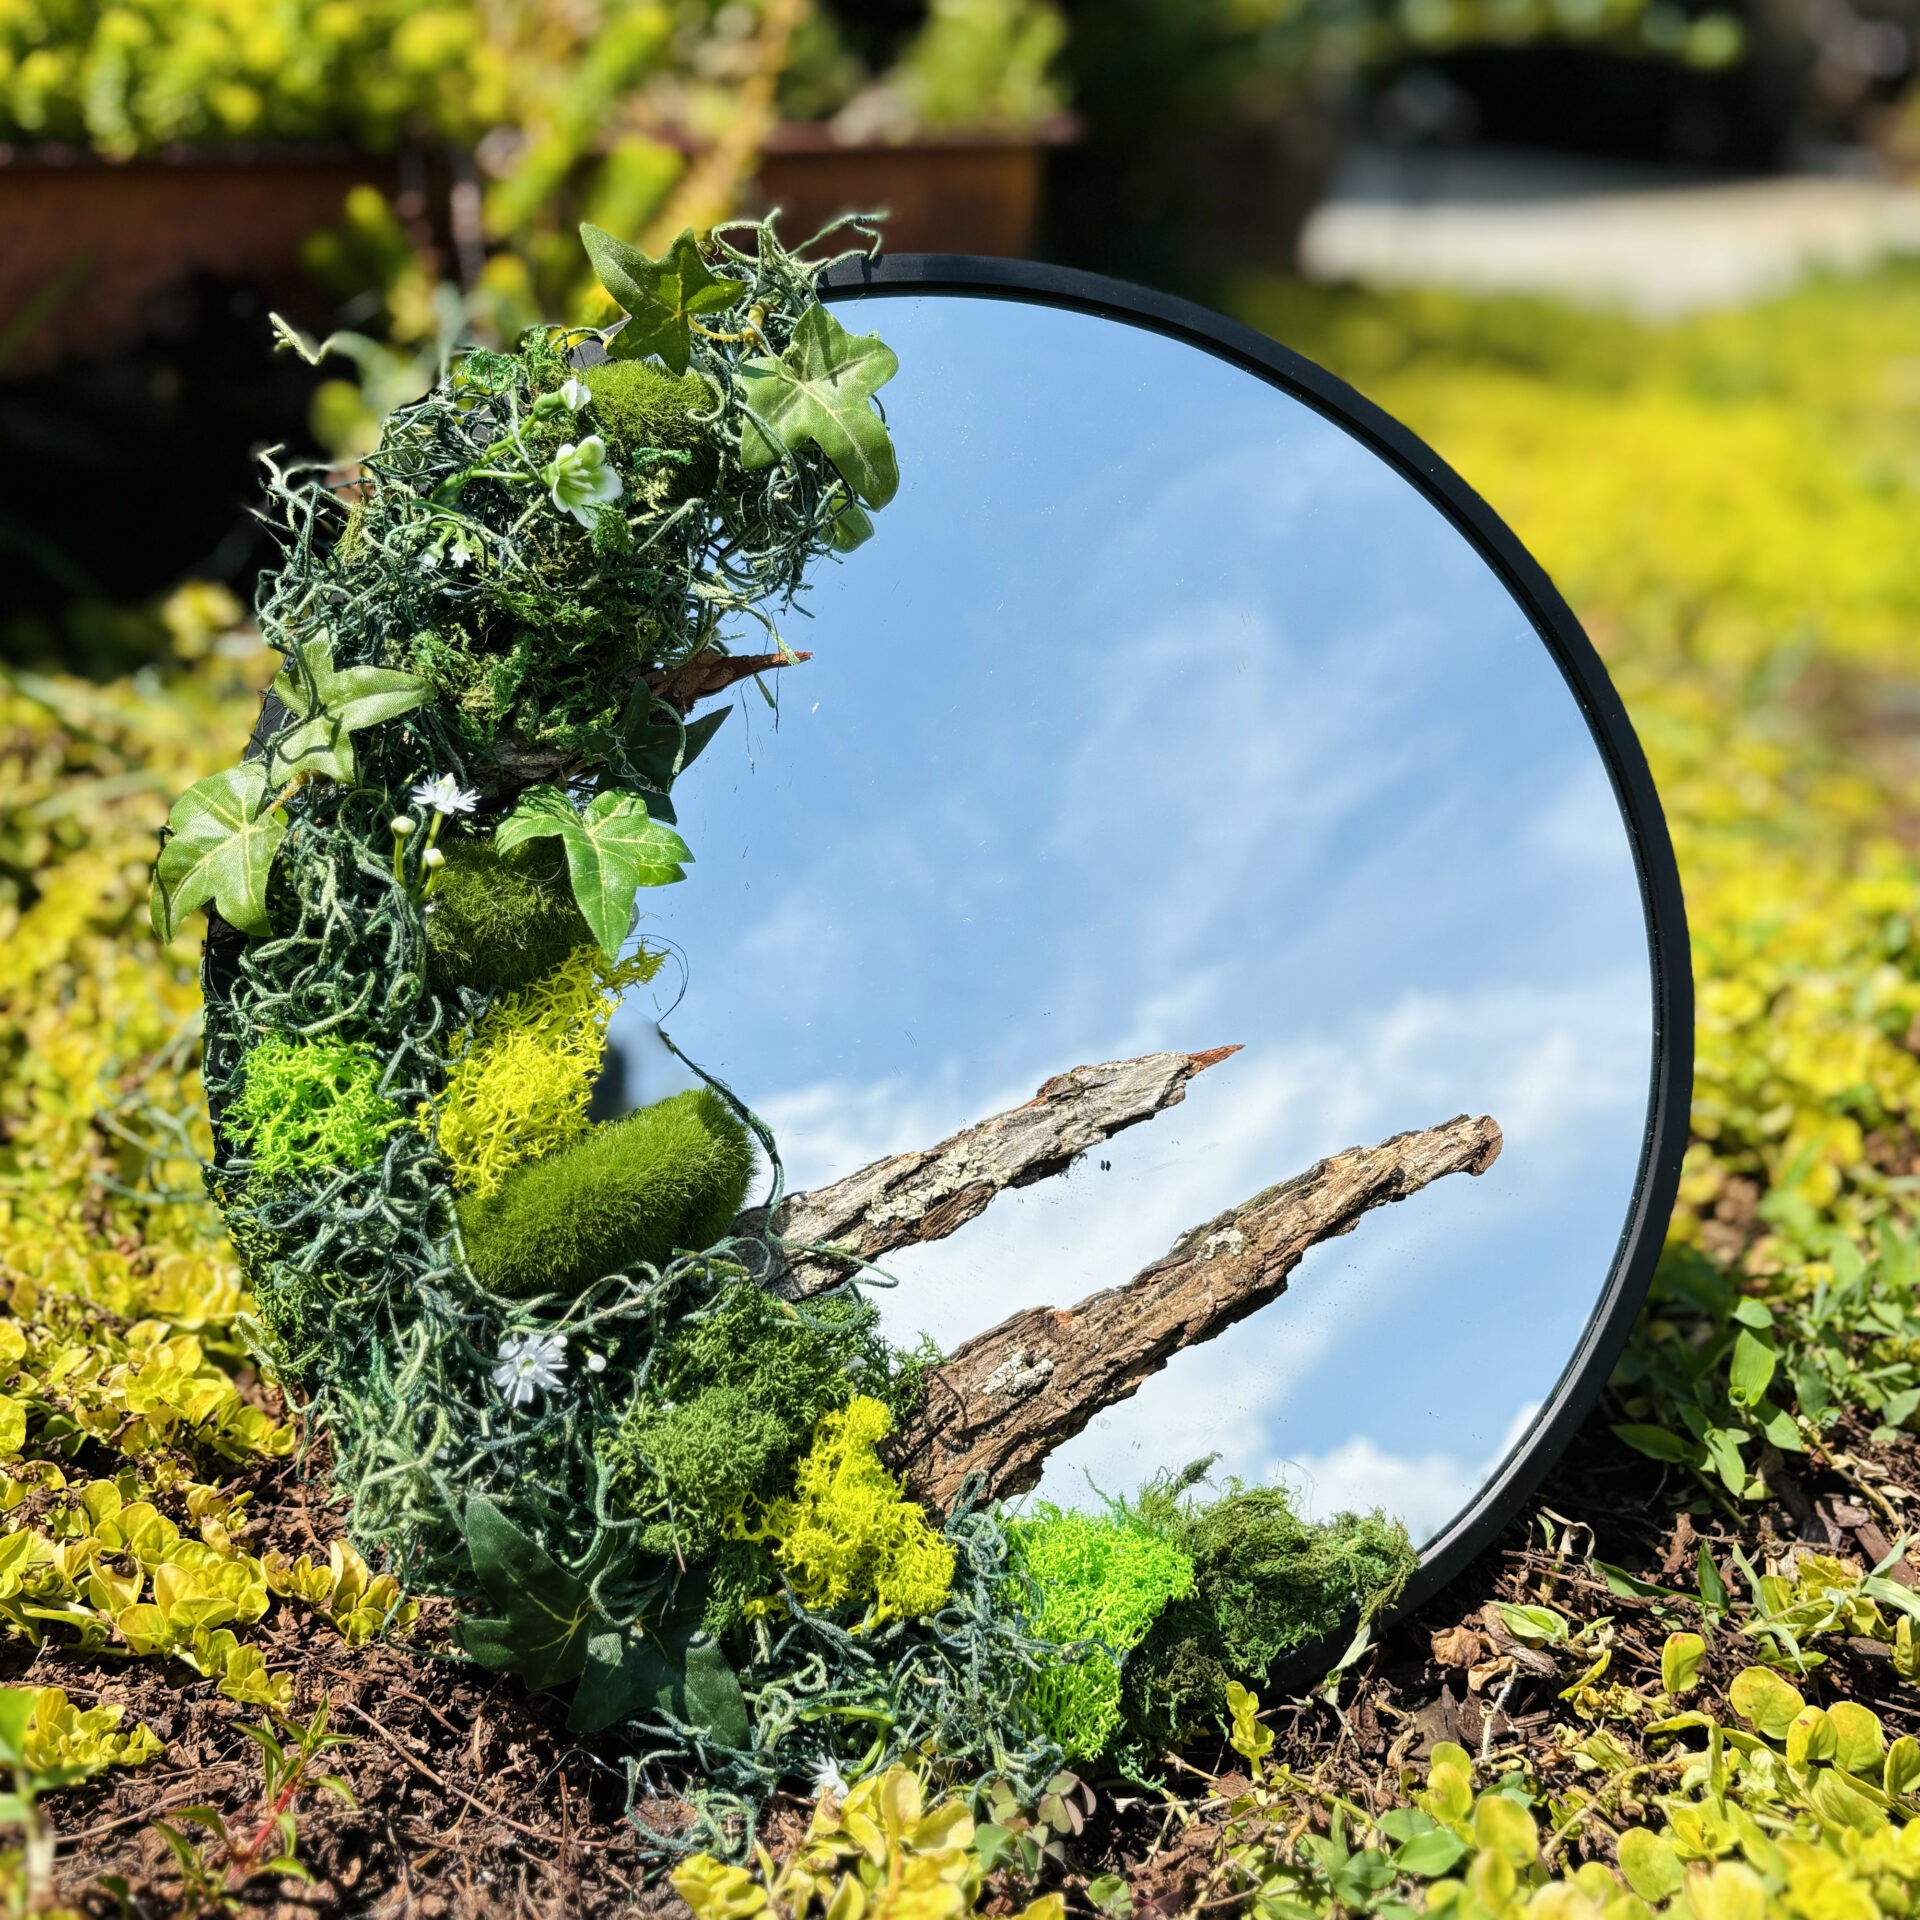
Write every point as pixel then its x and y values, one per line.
pixel 1265 1583
pixel 1103 1579
pixel 311 1104
pixel 670 1178
pixel 732 1405
pixel 499 921
pixel 653 419
pixel 519 1085
pixel 849 1534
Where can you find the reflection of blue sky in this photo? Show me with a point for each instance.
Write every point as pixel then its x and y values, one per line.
pixel 1160 714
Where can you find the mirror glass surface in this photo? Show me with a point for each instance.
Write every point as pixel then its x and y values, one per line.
pixel 1162 713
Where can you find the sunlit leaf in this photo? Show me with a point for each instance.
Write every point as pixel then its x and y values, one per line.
pixel 661 297
pixel 613 850
pixel 821 390
pixel 221 839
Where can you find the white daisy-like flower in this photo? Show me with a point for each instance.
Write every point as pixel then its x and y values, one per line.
pixel 828 1780
pixel 582 480
pixel 445 795
pixel 576 393
pixel 530 1363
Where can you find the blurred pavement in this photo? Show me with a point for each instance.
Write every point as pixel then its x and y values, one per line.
pixel 1657 240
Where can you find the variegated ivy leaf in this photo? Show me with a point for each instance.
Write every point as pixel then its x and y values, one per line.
pixel 660 297
pixel 821 389
pixel 330 704
pixel 222 836
pixel 613 850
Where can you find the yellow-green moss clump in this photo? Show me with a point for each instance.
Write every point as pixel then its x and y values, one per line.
pixel 498 921
pixel 306 1105
pixel 849 1536
pixel 520 1087
pixel 668 1179
pixel 1101 1577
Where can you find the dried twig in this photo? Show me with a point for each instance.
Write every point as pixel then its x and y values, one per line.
pixel 926 1195
pixel 1009 1397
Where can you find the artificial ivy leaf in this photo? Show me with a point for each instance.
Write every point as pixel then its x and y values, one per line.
pixel 222 836
pixel 851 528
pixel 715 1703
pixel 660 296
pixel 659 755
pixel 821 389
pixel 546 1617
pixel 613 850
pixel 329 704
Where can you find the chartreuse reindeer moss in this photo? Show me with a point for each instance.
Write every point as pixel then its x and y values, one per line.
pixel 520 1081
pixel 1102 1578
pixel 306 1104
pixel 633 1193
pixel 849 1536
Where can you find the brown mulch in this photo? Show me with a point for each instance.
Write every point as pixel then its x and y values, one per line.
pixel 473 1800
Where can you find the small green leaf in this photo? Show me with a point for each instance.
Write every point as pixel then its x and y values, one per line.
pixel 1840 1801
pixel 1651 1866
pixel 821 389
pixel 329 705
pixel 1680 1660
pixel 1713 1590
pixel 1765 1701
pixel 661 297
pixel 1656 1442
pixel 1860 1742
pixel 1751 1368
pixel 16 1715
pixel 222 837
pixel 1902 1771
pixel 1534 1626
pixel 613 850
pixel 1752 1313
pixel 1429 1855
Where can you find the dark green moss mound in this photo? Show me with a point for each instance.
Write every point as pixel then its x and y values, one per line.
pixel 665 1180
pixel 641 409
pixel 730 1407
pixel 499 921
pixel 1265 1583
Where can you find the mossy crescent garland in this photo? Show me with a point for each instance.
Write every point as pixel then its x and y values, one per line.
pixel 554 1383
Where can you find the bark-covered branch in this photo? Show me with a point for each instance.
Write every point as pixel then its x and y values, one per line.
pixel 1006 1399
pixel 927 1194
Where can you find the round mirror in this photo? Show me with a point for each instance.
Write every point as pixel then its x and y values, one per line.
pixel 1182 703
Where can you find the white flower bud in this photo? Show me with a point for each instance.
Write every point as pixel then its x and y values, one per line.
pixel 402 824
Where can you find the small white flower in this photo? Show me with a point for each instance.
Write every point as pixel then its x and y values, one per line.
pixel 596 1363
pixel 828 1780
pixel 445 795
pixel 581 479
pixel 530 1363
pixel 576 393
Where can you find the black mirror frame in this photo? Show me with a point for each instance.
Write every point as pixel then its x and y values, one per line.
pixel 1473 1530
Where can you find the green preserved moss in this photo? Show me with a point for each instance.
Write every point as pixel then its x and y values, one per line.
pixel 1101 1577
pixel 497 922
pixel 1265 1583
pixel 731 1406
pixel 310 1104
pixel 641 410
pixel 668 1179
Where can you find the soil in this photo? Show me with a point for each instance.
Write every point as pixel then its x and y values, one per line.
pixel 471 1799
